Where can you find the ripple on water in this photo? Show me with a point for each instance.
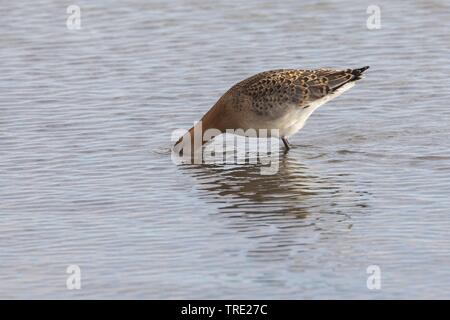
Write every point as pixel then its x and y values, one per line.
pixel 86 175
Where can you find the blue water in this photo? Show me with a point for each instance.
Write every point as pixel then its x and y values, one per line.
pixel 86 118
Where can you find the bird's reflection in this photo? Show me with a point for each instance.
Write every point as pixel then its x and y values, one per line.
pixel 293 191
pixel 272 208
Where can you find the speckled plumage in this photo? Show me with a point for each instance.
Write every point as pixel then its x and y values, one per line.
pixel 278 99
pixel 272 89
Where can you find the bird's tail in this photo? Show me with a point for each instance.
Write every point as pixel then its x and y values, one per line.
pixel 340 78
pixel 357 73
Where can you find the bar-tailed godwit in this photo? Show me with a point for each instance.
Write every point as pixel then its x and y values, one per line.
pixel 277 99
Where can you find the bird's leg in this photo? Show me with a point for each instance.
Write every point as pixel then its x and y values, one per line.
pixel 286 143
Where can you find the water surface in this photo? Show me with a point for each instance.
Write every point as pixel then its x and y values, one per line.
pixel 86 118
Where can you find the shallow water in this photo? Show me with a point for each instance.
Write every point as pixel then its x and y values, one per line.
pixel 86 117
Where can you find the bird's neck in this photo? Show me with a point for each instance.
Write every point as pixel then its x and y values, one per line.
pixel 210 125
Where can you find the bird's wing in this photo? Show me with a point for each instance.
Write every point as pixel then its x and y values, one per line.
pixel 325 81
pixel 295 86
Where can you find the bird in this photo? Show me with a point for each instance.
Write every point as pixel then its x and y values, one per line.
pixel 281 99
